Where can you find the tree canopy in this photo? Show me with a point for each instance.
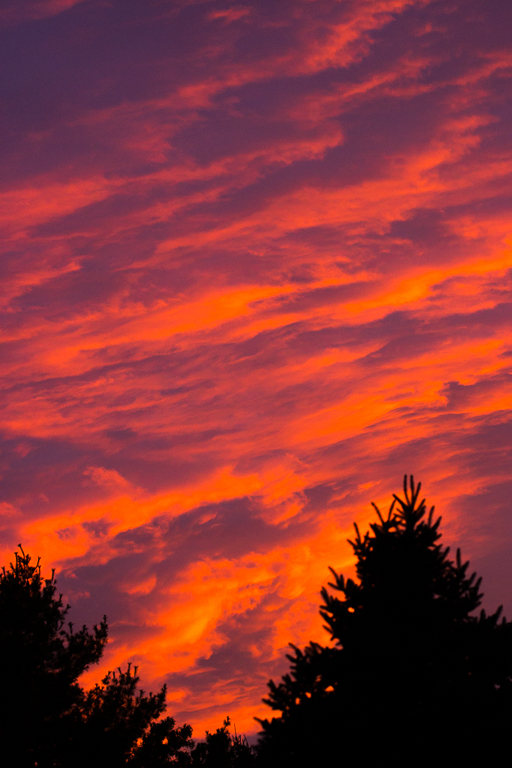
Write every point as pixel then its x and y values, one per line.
pixel 46 718
pixel 223 749
pixel 411 667
pixel 412 670
pixel 40 661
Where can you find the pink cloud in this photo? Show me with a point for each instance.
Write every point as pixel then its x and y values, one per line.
pixel 25 10
pixel 256 266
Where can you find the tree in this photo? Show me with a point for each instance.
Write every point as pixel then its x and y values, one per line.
pixel 412 671
pixel 223 750
pixel 40 662
pixel 114 726
pixel 46 718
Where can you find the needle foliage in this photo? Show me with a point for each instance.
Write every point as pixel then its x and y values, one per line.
pixel 41 659
pixel 412 671
pixel 223 749
pixel 46 718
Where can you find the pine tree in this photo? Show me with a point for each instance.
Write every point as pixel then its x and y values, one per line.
pixel 117 725
pixel 46 719
pixel 40 662
pixel 412 670
pixel 223 749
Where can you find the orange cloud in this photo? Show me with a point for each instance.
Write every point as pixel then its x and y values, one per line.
pixel 256 266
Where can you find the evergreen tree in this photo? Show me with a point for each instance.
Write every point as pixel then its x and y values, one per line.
pixel 223 750
pixel 40 662
pixel 413 673
pixel 115 725
pixel 46 719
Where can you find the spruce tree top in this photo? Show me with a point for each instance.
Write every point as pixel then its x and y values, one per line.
pixel 34 639
pixel 407 583
pixel 408 649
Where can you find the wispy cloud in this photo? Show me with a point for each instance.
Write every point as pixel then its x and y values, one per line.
pixel 257 265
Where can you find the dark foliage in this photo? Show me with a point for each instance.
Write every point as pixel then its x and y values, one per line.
pixel 223 750
pixel 40 662
pixel 115 725
pixel 46 719
pixel 412 673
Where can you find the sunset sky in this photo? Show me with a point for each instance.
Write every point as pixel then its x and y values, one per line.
pixel 257 265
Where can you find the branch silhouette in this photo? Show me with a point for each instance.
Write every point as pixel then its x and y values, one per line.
pixel 412 671
pixel 46 719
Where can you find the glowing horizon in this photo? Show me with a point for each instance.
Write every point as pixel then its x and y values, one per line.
pixel 257 266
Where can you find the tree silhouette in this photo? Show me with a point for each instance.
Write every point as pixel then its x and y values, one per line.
pixel 40 662
pixel 116 725
pixel 412 672
pixel 46 718
pixel 223 750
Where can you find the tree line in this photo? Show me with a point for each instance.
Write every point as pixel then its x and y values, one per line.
pixel 412 672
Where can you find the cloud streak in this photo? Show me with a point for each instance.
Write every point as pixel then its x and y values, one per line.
pixel 257 265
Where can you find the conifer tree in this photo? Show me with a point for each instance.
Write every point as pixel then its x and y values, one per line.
pixel 46 719
pixel 115 725
pixel 223 749
pixel 412 673
pixel 40 662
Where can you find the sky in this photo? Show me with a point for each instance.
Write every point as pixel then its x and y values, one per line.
pixel 257 265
